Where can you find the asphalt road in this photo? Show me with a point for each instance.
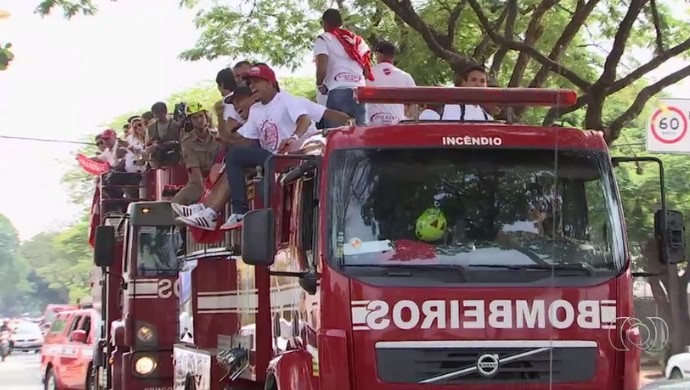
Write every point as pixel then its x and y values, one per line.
pixel 20 371
pixel 665 384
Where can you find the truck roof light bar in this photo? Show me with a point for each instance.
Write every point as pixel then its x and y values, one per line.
pixel 453 95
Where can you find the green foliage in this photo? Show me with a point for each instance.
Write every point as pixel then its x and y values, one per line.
pixel 6 56
pixel 13 271
pixel 69 8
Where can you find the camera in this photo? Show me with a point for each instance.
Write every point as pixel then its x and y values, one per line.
pixel 179 113
pixel 180 116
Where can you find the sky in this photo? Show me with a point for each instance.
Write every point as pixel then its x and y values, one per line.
pixel 71 77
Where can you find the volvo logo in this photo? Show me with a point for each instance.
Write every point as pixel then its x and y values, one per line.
pixel 487 365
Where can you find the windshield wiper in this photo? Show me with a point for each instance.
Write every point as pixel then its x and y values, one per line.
pixel 584 268
pixel 405 269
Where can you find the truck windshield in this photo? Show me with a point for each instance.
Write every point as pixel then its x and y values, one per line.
pixel 156 251
pixel 492 210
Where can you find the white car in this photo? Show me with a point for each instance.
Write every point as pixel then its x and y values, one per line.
pixel 27 337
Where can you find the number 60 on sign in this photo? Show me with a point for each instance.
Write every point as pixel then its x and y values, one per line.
pixel 667 130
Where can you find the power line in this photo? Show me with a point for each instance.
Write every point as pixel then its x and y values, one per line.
pixel 46 140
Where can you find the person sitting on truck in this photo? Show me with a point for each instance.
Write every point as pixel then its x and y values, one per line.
pixel 473 76
pixel 203 214
pixel 278 122
pixel 199 148
pixel 267 130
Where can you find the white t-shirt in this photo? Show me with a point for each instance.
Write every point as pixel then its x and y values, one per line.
pixel 314 110
pixel 230 112
pixel 321 99
pixel 453 112
pixel 387 75
pixel 343 71
pixel 108 155
pixel 273 122
pixel 133 155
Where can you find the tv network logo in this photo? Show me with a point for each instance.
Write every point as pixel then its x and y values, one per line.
pixel 650 334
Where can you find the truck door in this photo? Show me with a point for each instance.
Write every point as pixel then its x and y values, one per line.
pixel 69 358
pixel 85 352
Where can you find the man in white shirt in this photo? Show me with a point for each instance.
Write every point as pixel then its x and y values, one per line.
pixel 473 77
pixel 204 215
pixel 387 75
pixel 342 63
pixel 278 121
pixel 228 120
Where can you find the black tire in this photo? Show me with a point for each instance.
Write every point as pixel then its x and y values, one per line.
pixel 676 374
pixel 91 379
pixel 51 381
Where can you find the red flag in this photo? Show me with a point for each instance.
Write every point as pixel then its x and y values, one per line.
pixel 92 167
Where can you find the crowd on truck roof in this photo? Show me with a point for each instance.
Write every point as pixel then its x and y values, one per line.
pixel 255 118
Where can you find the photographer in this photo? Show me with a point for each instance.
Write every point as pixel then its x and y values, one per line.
pixel 162 138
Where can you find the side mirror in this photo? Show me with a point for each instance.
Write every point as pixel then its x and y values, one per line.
pixel 673 250
pixel 258 237
pixel 78 336
pixel 104 248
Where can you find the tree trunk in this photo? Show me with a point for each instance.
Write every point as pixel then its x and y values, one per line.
pixel 670 294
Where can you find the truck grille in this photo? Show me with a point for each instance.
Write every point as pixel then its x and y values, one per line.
pixel 559 364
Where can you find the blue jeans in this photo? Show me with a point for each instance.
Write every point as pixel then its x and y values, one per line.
pixel 237 158
pixel 343 100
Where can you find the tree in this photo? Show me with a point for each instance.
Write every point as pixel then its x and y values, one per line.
pixel 668 283
pixel 525 42
pixel 513 36
pixel 13 270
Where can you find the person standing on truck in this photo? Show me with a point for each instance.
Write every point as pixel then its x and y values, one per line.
pixel 342 64
pixel 473 76
pixel 387 75
pixel 199 148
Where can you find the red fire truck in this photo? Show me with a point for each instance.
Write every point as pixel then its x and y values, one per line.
pixel 136 253
pixel 434 254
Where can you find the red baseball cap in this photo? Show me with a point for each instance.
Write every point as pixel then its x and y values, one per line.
pixel 262 72
pixel 109 133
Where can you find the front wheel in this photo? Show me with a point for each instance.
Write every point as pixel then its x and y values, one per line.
pixel 50 382
pixel 676 374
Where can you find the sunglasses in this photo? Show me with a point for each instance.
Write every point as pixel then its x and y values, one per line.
pixel 100 143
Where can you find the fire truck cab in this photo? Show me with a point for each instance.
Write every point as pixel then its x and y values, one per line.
pixel 420 255
pixel 135 253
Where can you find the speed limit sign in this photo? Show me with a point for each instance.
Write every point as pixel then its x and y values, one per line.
pixel 668 127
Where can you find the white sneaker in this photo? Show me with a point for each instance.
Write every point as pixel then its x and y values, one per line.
pixel 207 219
pixel 187 211
pixel 233 220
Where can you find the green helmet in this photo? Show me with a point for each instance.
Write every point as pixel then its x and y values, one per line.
pixel 431 225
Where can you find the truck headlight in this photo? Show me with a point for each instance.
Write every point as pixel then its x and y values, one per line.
pixel 144 365
pixel 145 333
